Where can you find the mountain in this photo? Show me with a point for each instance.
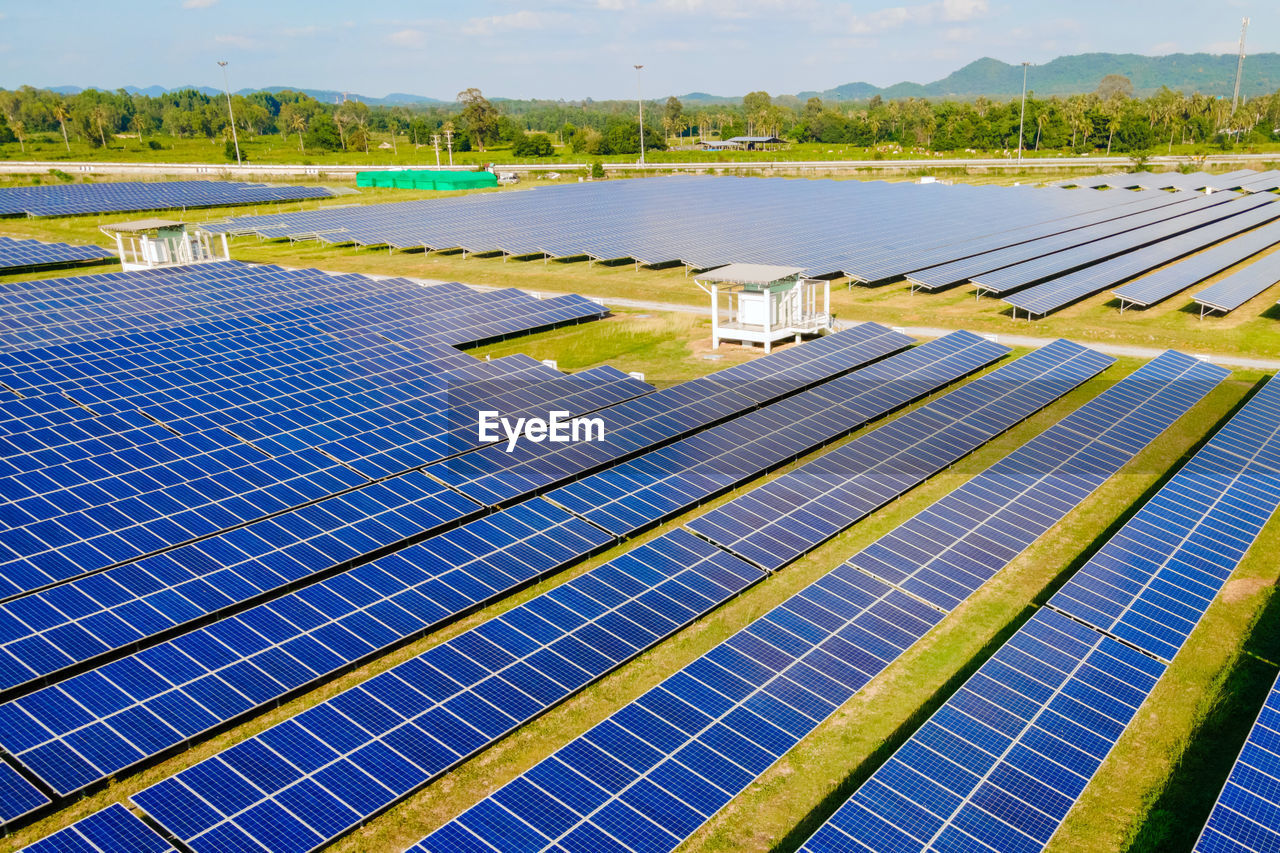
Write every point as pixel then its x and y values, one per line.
pixel 1069 75
pixel 327 95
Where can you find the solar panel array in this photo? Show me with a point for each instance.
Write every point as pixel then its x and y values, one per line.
pixel 648 776
pixel 50 738
pixel 18 797
pixel 77 199
pixel 1246 816
pixel 794 513
pixel 1230 293
pixel 28 254
pixel 115 829
pixel 1201 211
pixel 1164 283
pixel 1007 756
pixel 1062 291
pixel 820 225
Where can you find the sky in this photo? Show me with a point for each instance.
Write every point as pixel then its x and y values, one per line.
pixel 574 49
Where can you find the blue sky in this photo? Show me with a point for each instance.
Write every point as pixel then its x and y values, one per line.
pixel 585 48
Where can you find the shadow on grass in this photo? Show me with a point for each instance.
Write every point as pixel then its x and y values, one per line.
pixel 801 832
pixel 1175 819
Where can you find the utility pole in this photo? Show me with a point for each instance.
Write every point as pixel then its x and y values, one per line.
pixel 1023 115
pixel 226 87
pixel 448 135
pixel 1235 98
pixel 640 102
pixel 435 143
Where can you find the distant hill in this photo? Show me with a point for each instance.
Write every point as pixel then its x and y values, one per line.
pixel 1070 75
pixel 330 96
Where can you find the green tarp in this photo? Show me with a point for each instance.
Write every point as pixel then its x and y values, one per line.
pixel 422 179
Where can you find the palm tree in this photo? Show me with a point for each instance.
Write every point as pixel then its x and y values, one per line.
pixel 298 124
pixel 1041 118
pixel 100 115
pixel 62 112
pixel 20 131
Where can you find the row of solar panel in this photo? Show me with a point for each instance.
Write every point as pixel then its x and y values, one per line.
pixel 1006 757
pixel 76 199
pixel 461 555
pixel 650 775
pixel 170 800
pixel 30 254
pixel 718 224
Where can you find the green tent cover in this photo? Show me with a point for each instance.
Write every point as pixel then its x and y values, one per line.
pixel 422 179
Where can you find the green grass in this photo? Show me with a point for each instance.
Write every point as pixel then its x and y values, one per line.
pixel 276 150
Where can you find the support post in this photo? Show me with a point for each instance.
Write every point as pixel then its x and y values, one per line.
pixel 715 316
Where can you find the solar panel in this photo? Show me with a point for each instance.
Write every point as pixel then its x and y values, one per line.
pixel 1152 581
pixel 31 254
pixel 301 783
pixel 785 518
pixel 648 776
pixel 96 724
pixel 624 498
pixel 77 199
pixel 495 475
pixel 1062 291
pixel 1246 816
pixel 1203 210
pixel 1238 288
pixel 1164 283
pixel 115 829
pixel 809 224
pixel 18 797
pixel 950 549
pixel 820 646
pixel 1001 763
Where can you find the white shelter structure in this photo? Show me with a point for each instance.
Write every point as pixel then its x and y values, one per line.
pixel 149 243
pixel 767 304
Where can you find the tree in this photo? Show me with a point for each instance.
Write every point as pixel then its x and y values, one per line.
pixel 62 112
pixel 294 120
pixel 323 133
pixel 479 116
pixel 100 116
pixel 533 145
pixel 19 130
pixel 1114 86
pixel 673 115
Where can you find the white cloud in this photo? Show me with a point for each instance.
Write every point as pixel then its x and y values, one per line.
pixel 1223 47
pixel 925 14
pixel 198 4
pixel 408 38
pixel 241 42
pixel 523 20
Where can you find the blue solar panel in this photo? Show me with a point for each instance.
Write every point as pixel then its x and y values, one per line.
pixel 99 723
pixel 1062 291
pixel 1151 582
pixel 785 518
pixel 26 254
pixel 1000 764
pixel 827 628
pixel 303 782
pixel 1238 288
pixel 77 199
pixel 1246 817
pixel 495 475
pixel 626 497
pixel 115 829
pixel 1164 283
pixel 957 544
pixel 823 226
pixel 18 797
pixel 657 769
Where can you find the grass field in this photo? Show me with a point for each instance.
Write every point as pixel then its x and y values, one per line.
pixel 275 149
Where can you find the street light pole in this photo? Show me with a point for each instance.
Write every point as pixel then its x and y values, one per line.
pixel 226 87
pixel 1023 115
pixel 640 102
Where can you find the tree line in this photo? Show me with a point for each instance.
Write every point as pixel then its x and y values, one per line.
pixel 1108 119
